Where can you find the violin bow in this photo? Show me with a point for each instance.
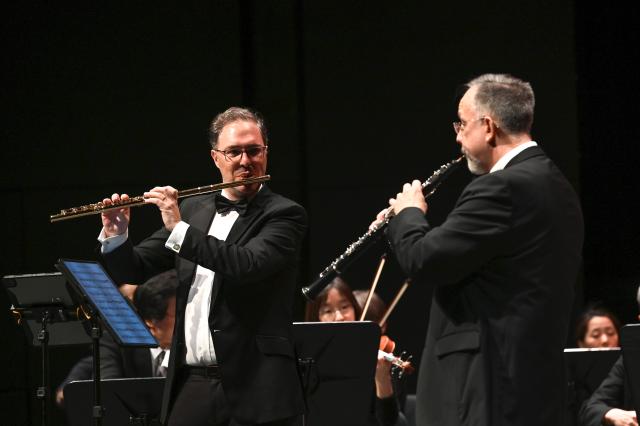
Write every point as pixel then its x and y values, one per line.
pixel 372 290
pixel 395 301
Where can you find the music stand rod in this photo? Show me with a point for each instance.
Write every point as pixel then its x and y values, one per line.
pixel 42 393
pixel 96 332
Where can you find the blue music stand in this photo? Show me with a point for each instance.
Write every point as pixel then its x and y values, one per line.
pixel 103 305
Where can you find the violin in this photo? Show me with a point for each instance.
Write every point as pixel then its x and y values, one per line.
pixel 401 365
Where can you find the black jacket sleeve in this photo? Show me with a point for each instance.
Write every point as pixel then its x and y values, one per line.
pixel 610 394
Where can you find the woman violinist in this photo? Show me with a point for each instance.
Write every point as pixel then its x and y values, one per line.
pixel 338 303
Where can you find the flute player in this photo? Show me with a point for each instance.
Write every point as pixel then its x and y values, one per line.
pixel 232 356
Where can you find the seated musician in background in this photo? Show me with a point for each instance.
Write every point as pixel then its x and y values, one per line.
pixel 83 369
pixel 611 403
pixel 337 303
pixel 155 302
pixel 597 328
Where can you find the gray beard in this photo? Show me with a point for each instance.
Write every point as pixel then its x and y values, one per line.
pixel 474 165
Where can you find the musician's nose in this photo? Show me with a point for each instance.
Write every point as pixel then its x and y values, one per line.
pixel 244 159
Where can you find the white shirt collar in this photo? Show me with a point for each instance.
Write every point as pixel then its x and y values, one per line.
pixel 156 351
pixel 504 160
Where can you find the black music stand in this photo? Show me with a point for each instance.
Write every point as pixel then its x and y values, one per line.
pixel 34 294
pixel 630 341
pixel 337 362
pixel 125 401
pixel 104 306
pixel 43 306
pixel 586 368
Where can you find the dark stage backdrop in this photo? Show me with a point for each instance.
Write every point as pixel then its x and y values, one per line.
pixel 609 135
pixel 359 97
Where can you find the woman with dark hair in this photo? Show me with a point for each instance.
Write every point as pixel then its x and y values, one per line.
pixel 597 328
pixel 337 303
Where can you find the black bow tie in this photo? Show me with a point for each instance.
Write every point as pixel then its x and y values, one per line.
pixel 225 205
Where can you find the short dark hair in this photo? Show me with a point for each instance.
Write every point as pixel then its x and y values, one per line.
pixel 313 308
pixel 236 114
pixel 591 311
pixel 509 100
pixel 151 298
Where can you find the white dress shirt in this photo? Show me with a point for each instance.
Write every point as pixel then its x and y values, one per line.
pixel 198 337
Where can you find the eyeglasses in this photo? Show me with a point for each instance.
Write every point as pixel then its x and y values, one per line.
pixel 235 154
pixel 328 313
pixel 458 126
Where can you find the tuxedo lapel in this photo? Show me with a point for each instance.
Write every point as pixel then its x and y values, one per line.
pixel 202 219
pixel 240 227
pixel 254 210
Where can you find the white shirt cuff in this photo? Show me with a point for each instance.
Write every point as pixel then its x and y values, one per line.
pixel 177 237
pixel 109 244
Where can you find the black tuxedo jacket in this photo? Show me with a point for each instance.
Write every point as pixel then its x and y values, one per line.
pixel 115 363
pixel 253 290
pixel 503 266
pixel 123 362
pixel 613 392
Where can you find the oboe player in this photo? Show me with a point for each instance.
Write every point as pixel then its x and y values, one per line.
pixel 503 266
pixel 232 357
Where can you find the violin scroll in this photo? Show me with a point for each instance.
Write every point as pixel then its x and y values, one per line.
pixel 401 365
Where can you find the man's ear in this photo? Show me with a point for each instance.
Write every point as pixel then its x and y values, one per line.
pixel 492 131
pixel 150 324
pixel 215 158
